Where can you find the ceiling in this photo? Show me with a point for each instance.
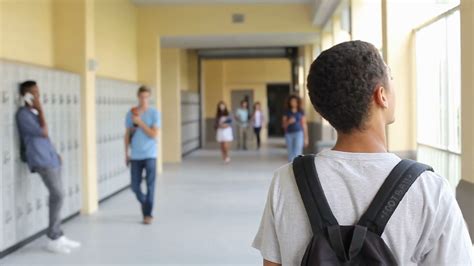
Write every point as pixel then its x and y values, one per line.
pixel 143 2
pixel 241 40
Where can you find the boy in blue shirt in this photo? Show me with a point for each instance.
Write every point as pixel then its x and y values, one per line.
pixel 142 125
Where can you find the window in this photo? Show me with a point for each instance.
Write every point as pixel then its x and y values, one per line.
pixel 438 74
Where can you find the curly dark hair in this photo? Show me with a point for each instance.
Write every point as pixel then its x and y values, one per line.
pixel 298 100
pixel 341 83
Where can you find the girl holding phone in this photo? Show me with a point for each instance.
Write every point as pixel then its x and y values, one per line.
pixel 224 134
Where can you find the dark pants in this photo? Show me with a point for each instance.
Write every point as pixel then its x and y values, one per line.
pixel 257 134
pixel 53 181
pixel 137 167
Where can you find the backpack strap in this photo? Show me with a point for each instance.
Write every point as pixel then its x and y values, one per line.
pixel 390 194
pixel 312 194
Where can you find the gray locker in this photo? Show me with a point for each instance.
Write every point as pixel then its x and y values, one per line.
pixel 114 99
pixel 190 122
pixel 24 199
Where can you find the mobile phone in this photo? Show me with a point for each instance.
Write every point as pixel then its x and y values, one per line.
pixel 28 98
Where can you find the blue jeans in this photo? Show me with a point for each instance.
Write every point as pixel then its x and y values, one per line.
pixel 294 144
pixel 137 167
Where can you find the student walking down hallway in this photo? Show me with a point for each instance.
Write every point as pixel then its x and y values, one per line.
pixel 296 130
pixel 258 120
pixel 223 126
pixel 142 125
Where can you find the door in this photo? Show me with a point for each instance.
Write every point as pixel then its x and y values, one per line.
pixel 239 95
pixel 277 95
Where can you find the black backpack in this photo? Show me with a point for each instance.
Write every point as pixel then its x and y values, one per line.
pixel 359 244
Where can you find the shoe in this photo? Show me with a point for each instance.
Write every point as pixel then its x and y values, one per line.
pixel 57 246
pixel 148 220
pixel 227 160
pixel 69 243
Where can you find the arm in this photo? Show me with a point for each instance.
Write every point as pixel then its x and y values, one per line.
pixel 127 144
pixel 28 126
pixel 266 240
pixel 151 132
pixel 305 130
pixel 42 121
pixel 447 242
pixel 269 263
pixel 284 122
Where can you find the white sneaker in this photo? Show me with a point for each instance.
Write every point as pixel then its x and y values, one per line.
pixel 69 243
pixel 227 160
pixel 57 246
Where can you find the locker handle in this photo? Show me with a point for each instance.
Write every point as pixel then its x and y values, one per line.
pixel 5 97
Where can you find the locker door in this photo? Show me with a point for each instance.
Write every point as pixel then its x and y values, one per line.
pixel 9 214
pixel 77 142
pixel 2 140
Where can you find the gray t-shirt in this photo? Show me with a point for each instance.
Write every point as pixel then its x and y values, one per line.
pixel 427 228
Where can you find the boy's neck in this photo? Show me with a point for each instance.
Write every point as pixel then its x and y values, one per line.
pixel 367 141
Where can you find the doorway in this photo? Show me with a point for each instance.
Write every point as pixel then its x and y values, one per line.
pixel 276 95
pixel 239 95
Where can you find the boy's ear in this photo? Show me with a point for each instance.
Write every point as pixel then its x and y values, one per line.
pixel 380 96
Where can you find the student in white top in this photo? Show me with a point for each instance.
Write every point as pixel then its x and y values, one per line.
pixel 351 87
pixel 224 134
pixel 257 121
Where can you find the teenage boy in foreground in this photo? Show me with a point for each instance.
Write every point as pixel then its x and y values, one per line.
pixel 351 87
pixel 142 125
pixel 42 158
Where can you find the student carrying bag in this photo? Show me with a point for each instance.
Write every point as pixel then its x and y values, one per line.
pixel 360 244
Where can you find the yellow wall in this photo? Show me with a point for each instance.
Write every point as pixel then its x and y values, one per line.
pixel 74 45
pixel 172 20
pixel 171 84
pixel 26 29
pixel 257 71
pixel 213 85
pixel 183 69
pixel 193 71
pixel 116 39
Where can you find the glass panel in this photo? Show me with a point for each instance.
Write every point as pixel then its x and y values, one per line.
pixel 438 74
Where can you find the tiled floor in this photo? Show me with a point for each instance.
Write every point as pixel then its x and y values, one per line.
pixel 207 213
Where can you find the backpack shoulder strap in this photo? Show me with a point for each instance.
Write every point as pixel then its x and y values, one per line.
pixel 312 194
pixel 390 194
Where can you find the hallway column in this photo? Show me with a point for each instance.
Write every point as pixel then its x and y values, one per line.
pixel 74 51
pixel 313 119
pixel 171 93
pixel 465 189
pixel 149 73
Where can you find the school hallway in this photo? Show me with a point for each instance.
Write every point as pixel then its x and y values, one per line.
pixel 206 213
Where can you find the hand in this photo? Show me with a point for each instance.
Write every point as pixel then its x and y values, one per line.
pixel 127 160
pixel 37 104
pixel 291 120
pixel 306 142
pixel 137 120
